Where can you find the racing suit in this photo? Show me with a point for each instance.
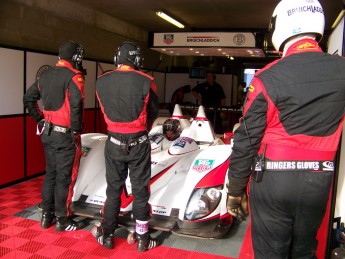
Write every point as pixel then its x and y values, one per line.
pixel 128 100
pixel 61 89
pixel 293 119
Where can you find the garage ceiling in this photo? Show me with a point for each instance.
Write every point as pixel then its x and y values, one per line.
pixel 202 16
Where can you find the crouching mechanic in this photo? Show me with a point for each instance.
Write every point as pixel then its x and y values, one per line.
pixel 61 89
pixel 128 101
pixel 291 126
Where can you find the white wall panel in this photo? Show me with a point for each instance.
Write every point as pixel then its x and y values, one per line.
pixel 12 81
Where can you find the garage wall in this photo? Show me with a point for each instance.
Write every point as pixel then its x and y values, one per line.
pixel 21 152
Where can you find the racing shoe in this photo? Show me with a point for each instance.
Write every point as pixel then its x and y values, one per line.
pixel 48 219
pixel 67 224
pixel 105 240
pixel 108 241
pixel 146 242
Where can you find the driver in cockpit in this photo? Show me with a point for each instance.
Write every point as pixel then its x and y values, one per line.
pixel 172 129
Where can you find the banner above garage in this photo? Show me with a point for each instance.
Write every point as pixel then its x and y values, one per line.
pixel 235 44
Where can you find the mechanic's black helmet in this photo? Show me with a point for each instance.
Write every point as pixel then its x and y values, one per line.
pixel 171 129
pixel 71 51
pixel 128 54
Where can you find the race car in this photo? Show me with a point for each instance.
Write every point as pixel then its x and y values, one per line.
pixel 189 172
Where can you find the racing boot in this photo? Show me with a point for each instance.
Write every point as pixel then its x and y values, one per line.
pixel 146 242
pixel 48 219
pixel 105 239
pixel 67 224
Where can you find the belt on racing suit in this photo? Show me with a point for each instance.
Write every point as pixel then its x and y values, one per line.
pixel 60 129
pixel 131 143
pixel 290 166
pixel 52 127
pixel 298 165
pixel 285 161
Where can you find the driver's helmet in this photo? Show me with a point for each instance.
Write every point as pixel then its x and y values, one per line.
pixel 291 18
pixel 171 129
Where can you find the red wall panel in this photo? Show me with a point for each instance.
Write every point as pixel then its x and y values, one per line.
pixel 101 126
pixel 35 158
pixel 89 121
pixel 11 151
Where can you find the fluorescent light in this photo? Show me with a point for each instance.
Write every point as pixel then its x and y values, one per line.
pixel 169 19
pixel 341 15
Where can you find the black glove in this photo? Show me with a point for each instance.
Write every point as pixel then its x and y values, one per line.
pixel 76 138
pixel 238 206
pixel 237 202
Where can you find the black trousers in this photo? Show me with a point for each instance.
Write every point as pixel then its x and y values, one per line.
pixel 60 154
pixel 137 163
pixel 287 209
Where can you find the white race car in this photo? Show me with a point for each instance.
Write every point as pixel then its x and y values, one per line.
pixel 188 192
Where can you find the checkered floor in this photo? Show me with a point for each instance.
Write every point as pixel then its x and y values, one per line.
pixel 22 237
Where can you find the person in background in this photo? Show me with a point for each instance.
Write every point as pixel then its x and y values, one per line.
pixel 211 95
pixel 128 101
pixel 61 90
pixel 288 137
pixel 178 97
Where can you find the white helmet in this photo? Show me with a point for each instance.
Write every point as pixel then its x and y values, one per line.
pixel 295 17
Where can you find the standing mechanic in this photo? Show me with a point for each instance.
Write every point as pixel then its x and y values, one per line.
pixel 292 122
pixel 61 89
pixel 128 101
pixel 211 95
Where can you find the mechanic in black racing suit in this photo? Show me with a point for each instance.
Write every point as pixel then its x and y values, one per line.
pixel 61 89
pixel 129 102
pixel 291 126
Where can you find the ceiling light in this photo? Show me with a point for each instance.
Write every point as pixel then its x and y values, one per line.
pixel 170 19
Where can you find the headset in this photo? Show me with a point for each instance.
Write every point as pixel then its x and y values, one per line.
pixel 137 62
pixel 78 56
pixel 77 59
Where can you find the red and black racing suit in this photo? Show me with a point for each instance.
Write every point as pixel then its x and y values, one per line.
pixel 128 100
pixel 295 107
pixel 61 89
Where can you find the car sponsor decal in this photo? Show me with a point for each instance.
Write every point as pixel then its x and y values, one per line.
pixel 85 151
pixel 181 142
pixel 157 138
pixel 159 210
pixel 96 199
pixel 202 165
pixel 160 164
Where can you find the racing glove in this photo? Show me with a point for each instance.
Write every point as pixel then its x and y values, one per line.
pixel 237 202
pixel 238 206
pixel 76 138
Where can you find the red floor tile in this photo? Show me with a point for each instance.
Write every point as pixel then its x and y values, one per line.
pixel 22 238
